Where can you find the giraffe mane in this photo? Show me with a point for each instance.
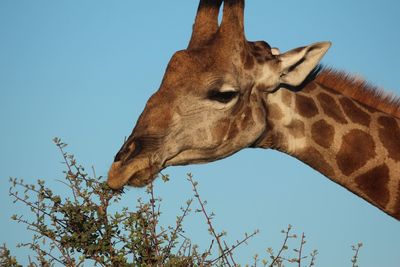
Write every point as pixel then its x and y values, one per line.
pixel 358 89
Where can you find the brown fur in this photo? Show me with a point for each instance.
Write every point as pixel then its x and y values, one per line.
pixel 249 63
pixel 331 108
pixel 374 184
pixel 356 142
pixel 306 106
pixel 316 160
pixel 323 133
pixel 274 112
pixel 359 90
pixel 390 136
pixel 247 119
pixel 356 114
pixel 206 23
pixel 233 131
pixel 219 132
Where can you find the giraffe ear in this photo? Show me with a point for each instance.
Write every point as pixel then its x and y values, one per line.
pixel 297 64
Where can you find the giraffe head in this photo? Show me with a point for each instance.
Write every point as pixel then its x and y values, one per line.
pixel 211 102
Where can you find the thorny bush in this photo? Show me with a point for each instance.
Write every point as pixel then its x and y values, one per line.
pixel 82 229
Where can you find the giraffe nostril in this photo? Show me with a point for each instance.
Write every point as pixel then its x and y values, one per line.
pixel 134 149
pixel 128 151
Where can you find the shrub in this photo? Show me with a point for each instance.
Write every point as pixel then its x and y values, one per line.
pixel 85 228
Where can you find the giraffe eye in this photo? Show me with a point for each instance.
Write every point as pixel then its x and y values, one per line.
pixel 222 97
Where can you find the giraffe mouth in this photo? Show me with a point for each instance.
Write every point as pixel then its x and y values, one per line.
pixel 137 173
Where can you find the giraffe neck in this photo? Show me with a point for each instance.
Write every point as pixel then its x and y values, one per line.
pixel 352 144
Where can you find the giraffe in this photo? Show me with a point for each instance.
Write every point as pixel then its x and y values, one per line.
pixel 224 93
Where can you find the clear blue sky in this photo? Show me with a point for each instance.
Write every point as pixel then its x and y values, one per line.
pixel 83 70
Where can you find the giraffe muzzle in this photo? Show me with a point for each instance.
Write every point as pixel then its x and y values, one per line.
pixel 138 172
pixel 132 166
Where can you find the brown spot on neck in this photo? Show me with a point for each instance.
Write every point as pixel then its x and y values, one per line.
pixel 322 133
pixel 305 106
pixel 316 160
pixel 374 184
pixel 356 114
pixel 389 133
pixel 331 108
pixel 356 149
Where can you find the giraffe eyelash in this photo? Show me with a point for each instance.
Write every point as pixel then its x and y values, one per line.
pixel 222 96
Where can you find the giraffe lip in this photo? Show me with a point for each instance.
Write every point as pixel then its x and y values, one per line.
pixel 142 178
pixel 138 172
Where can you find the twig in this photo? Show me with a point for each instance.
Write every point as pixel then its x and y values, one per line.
pixel 154 219
pixel 247 237
pixel 229 252
pixel 211 228
pixel 356 249
pixel 302 242
pixel 177 227
pixel 283 247
pixel 34 207
pixel 56 242
pixel 313 257
pixel 207 253
pixel 60 147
